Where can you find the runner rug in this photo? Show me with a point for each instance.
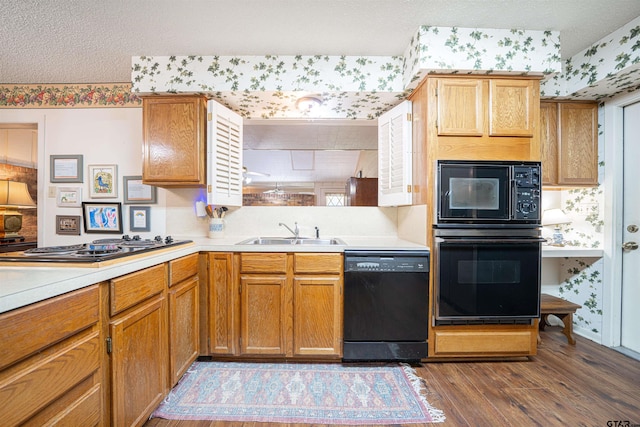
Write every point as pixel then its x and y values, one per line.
pixel 300 393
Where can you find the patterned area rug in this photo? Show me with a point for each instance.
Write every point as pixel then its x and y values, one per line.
pixel 300 393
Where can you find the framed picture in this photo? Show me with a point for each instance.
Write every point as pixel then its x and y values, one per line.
pixel 137 192
pixel 139 218
pixel 103 181
pixel 69 197
pixel 69 225
pixel 102 217
pixel 66 168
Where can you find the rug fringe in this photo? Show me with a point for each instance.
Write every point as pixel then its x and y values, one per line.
pixel 420 387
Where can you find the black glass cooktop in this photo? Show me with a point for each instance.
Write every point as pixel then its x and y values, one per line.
pixel 97 250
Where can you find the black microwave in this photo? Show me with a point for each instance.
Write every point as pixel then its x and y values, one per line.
pixel 487 192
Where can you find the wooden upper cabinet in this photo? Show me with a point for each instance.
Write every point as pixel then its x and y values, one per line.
pixel 174 140
pixel 569 139
pixel 549 141
pixel 578 144
pixel 511 107
pixel 460 107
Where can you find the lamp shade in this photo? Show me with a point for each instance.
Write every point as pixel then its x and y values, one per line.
pixel 15 195
pixel 555 217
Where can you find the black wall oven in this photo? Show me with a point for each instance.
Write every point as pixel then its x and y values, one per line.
pixel 487 246
pixel 486 276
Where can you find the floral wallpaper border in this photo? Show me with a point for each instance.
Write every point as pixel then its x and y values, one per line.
pixel 65 96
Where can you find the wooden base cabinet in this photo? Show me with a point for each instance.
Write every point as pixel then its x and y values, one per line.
pixel 51 362
pixel 275 305
pixel 184 321
pixel 139 345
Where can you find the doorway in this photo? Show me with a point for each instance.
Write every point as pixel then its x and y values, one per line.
pixel 630 289
pixel 19 162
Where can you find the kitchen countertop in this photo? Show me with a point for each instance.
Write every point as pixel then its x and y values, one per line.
pixel 570 252
pixel 21 285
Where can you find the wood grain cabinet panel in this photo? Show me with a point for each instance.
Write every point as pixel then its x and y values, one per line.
pixel 480 118
pixel 127 291
pixel 317 316
pixel 221 309
pixel 51 362
pixel 512 105
pixel 139 363
pixel 184 316
pixel 460 107
pixel 182 268
pixel 265 314
pixel 174 140
pixel 578 144
pixel 275 305
pixel 569 139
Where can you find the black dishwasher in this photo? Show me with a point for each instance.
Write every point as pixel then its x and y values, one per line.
pixel 386 301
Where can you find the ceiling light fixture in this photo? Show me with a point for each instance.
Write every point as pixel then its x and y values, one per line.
pixel 306 104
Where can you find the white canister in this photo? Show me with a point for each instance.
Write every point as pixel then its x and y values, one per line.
pixel 216 228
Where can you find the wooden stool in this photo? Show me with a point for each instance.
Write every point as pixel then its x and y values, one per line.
pixel 561 308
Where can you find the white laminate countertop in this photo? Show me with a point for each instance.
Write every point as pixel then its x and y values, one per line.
pixel 21 285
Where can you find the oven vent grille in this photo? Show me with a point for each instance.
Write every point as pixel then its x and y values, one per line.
pixel 485 322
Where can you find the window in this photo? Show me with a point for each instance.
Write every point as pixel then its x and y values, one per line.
pixel 334 199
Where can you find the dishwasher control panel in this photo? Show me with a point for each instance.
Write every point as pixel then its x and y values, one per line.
pixel 388 261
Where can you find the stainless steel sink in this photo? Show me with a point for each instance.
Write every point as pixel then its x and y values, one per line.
pixel 290 241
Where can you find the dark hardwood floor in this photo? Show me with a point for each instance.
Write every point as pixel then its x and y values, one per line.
pixel 564 385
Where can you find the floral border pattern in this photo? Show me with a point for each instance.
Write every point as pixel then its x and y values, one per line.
pixel 65 96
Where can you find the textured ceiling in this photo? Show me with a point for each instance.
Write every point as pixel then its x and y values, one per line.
pixel 91 41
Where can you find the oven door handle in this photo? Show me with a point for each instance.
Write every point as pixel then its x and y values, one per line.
pixel 492 240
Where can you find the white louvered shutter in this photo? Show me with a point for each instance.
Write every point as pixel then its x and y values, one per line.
pixel 394 156
pixel 224 156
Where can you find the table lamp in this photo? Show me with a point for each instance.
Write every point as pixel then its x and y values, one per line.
pixel 555 217
pixel 13 195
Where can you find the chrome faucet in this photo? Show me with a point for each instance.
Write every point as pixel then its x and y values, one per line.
pixel 295 232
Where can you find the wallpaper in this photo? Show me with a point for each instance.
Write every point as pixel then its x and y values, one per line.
pixel 582 277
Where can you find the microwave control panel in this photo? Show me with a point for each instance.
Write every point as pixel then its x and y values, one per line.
pixel 527 192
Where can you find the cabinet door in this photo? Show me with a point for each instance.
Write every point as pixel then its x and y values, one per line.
pixel 184 330
pixel 173 140
pixel 317 317
pixel 549 142
pixel 222 313
pixel 138 362
pixel 394 156
pixel 224 156
pixel 265 314
pixel 460 107
pixel 578 144
pixel 512 106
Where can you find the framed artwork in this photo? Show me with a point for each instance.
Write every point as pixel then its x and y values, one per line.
pixel 66 168
pixel 69 197
pixel 137 192
pixel 69 225
pixel 102 217
pixel 103 181
pixel 139 218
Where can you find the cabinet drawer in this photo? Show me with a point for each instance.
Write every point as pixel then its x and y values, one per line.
pixel 40 384
pixel 40 325
pixel 476 343
pixel 183 268
pixel 318 263
pixel 127 291
pixel 259 262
